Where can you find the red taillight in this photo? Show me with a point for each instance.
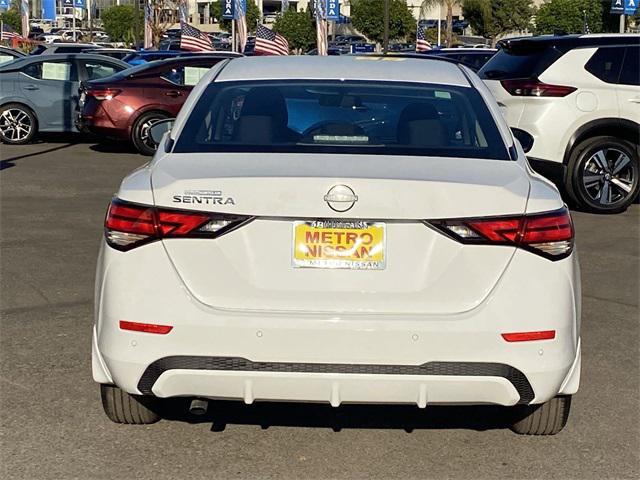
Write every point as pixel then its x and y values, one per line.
pixel 529 336
pixel 535 88
pixel 145 327
pixel 547 234
pixel 103 93
pixel 129 225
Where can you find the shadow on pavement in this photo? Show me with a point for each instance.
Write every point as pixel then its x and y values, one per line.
pixel 106 145
pixel 9 162
pixel 394 417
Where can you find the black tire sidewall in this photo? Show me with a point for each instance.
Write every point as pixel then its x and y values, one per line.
pixel 32 117
pixel 581 154
pixel 135 136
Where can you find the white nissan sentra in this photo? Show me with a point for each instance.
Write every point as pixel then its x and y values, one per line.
pixel 340 230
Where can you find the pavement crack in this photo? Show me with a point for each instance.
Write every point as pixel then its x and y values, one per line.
pixel 608 300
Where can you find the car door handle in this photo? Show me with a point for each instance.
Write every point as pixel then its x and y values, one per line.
pixel 635 100
pixel 31 87
pixel 173 93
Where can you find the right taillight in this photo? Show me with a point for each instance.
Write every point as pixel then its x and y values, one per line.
pixel 535 88
pixel 548 234
pixel 129 225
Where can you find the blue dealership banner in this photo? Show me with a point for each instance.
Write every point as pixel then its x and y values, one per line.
pixel 74 3
pixel 228 9
pixel 626 7
pixel 4 4
pixel 333 10
pixel 48 9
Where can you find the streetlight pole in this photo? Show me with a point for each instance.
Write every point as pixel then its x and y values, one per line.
pixel 385 42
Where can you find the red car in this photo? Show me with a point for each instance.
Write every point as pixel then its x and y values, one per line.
pixel 126 105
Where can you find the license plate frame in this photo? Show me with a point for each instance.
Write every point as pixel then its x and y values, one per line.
pixel 360 254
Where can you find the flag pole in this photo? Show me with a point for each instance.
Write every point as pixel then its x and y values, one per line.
pixel 439 23
pixel 233 35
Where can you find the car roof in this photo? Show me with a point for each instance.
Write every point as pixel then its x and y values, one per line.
pixel 344 67
pixel 12 51
pixel 567 42
pixel 68 44
pixel 18 63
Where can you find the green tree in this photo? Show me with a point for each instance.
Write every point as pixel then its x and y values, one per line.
pixel 427 5
pixel 568 16
pixel 495 18
pixel 123 23
pixel 253 15
pixel 12 18
pixel 367 18
pixel 298 28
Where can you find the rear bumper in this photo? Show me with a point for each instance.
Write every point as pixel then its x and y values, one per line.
pixel 337 358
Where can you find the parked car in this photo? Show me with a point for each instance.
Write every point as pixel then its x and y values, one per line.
pixel 341 231
pixel 142 57
pixel 40 92
pixel 118 53
pixel 474 58
pixel 126 105
pixel 575 100
pixel 62 47
pixel 330 51
pixel 9 54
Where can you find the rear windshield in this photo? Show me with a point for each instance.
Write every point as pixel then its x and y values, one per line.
pixel 342 117
pixel 507 65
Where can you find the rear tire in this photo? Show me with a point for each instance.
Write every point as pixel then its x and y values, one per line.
pixel 140 135
pixel 122 407
pixel 604 174
pixel 545 419
pixel 18 124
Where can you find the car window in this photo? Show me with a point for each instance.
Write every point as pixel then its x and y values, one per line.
pixel 174 75
pixel 631 69
pixel 97 69
pixel 342 117
pixel 70 49
pixel 62 71
pixel 606 64
pixel 509 65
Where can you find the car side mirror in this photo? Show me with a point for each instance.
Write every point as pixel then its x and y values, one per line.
pixel 159 128
pixel 525 139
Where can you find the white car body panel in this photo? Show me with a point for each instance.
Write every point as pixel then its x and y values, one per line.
pixel 439 306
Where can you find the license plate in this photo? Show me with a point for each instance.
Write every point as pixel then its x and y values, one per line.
pixel 354 245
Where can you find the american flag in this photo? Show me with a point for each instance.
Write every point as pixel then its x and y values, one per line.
pixel 270 43
pixel 321 27
pixel 7 33
pixel 241 24
pixel 422 44
pixel 193 39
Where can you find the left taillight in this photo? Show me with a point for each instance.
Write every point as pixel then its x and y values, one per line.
pixel 535 88
pixel 103 93
pixel 550 234
pixel 129 225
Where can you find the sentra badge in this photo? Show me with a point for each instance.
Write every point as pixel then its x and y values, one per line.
pixel 204 197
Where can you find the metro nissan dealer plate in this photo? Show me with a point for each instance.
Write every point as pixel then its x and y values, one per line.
pixel 355 245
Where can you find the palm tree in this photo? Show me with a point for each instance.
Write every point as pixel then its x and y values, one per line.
pixel 427 5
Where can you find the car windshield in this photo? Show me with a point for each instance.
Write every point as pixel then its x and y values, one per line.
pixel 342 117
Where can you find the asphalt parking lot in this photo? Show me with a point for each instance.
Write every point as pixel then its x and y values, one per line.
pixel 53 198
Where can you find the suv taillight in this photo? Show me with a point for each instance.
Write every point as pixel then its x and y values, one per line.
pixel 103 93
pixel 129 225
pixel 550 234
pixel 535 88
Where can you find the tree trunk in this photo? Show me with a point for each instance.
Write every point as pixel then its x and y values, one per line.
pixel 449 24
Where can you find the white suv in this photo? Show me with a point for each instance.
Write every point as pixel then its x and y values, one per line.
pixel 574 103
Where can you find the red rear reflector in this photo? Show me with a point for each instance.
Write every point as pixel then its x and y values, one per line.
pixel 535 88
pixel 145 327
pixel 529 336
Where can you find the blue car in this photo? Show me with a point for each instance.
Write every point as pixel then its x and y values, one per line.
pixel 40 93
